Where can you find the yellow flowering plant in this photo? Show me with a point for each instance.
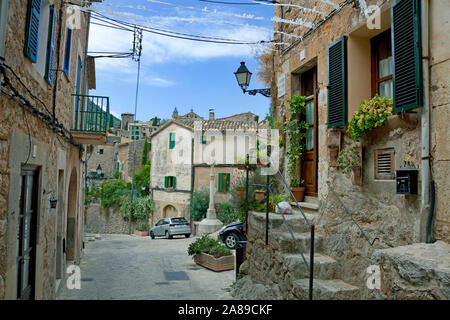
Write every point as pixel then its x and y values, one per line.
pixel 371 114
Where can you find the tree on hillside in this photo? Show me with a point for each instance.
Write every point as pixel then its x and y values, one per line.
pixel 145 150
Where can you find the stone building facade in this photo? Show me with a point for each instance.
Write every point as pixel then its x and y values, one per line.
pixel 41 162
pixel 346 41
pixel 181 156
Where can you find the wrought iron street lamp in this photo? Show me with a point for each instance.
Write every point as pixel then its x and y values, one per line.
pixel 243 76
pixel 99 170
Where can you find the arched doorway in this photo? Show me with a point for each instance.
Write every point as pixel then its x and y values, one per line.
pixel 71 232
pixel 170 211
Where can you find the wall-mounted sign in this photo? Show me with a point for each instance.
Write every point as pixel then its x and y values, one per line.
pixel 281 85
pixel 302 55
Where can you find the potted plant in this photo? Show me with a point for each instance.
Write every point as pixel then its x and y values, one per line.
pixel 240 190
pixel 298 188
pixel 142 230
pixel 211 254
pixel 260 194
pixel 349 160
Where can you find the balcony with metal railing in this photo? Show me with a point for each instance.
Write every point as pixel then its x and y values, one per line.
pixel 91 120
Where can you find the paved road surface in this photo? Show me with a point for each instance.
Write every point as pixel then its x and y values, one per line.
pixel 131 267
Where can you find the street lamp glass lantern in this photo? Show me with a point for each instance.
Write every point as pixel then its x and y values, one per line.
pixel 243 75
pixel 99 170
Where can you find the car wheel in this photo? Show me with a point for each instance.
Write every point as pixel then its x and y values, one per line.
pixel 230 240
pixel 187 235
pixel 168 236
pixel 152 235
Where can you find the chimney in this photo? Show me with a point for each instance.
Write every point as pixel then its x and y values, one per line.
pixel 211 114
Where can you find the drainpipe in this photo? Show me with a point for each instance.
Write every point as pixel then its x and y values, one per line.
pixel 425 115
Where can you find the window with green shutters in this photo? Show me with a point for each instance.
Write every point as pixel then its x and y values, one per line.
pixel 203 139
pixel 407 55
pixel 223 184
pixel 32 29
pixel 50 45
pixel 172 140
pixel 337 83
pixel 170 182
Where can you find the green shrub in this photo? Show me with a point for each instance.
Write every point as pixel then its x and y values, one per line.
pixel 199 204
pixel 142 207
pixel 208 245
pixel 113 192
pixel 227 213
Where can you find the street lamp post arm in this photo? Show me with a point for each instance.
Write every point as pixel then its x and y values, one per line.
pixel 265 92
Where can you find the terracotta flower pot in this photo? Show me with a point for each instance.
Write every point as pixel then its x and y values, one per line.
pixel 260 195
pixel 241 166
pixel 299 193
pixel 141 233
pixel 240 192
pixel 215 264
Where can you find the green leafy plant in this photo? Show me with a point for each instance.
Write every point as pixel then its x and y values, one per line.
pixel 199 204
pixel 371 114
pixel 349 158
pixel 142 227
pixel 297 182
pixel 277 199
pixel 113 192
pixel 240 187
pixel 145 150
pixel 142 180
pixel 208 245
pixel 92 195
pixel 227 213
pixel 138 209
pixel 296 128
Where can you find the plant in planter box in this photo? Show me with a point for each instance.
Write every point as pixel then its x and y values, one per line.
pixel 296 130
pixel 278 198
pixel 349 160
pixel 142 230
pixel 298 188
pixel 211 254
pixel 371 114
pixel 240 190
pixel 260 194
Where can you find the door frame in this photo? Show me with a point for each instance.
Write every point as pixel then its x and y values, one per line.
pixel 29 292
pixel 314 96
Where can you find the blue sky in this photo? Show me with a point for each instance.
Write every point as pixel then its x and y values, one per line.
pixel 181 73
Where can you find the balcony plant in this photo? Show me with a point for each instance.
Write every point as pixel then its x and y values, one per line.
pixel 371 114
pixel 296 128
pixel 210 253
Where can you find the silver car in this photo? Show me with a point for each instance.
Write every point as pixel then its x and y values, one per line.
pixel 169 227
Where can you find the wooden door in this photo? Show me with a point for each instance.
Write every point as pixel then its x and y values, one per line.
pixel 26 234
pixel 309 157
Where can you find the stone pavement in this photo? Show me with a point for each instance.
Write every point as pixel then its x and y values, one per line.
pixel 131 267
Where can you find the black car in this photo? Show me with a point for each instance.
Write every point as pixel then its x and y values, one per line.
pixel 232 233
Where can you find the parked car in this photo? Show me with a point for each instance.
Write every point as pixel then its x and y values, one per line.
pixel 169 227
pixel 232 233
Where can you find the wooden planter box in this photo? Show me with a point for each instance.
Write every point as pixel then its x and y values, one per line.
pixel 220 264
pixel 141 233
pixel 240 192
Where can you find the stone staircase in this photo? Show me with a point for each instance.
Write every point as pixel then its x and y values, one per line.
pixel 327 284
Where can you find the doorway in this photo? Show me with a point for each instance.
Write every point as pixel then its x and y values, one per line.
pixel 72 210
pixel 27 233
pixel 309 157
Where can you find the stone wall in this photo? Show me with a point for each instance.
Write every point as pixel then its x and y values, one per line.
pixel 25 138
pixel 98 220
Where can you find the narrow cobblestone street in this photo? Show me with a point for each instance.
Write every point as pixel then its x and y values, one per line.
pixel 130 267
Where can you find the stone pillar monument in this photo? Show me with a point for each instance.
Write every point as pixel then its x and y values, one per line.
pixel 210 224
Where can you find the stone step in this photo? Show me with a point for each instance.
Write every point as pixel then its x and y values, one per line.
pixel 324 266
pixel 307 207
pixel 303 240
pixel 325 290
pixel 296 221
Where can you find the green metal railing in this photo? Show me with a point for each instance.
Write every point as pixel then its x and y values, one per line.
pixel 91 113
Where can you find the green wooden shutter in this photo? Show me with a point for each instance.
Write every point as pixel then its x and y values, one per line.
pixel 172 140
pixel 407 55
pixel 174 183
pixel 219 185
pixel 32 29
pixel 203 139
pixel 67 50
pixel 337 83
pixel 166 182
pixel 51 45
pixel 227 182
